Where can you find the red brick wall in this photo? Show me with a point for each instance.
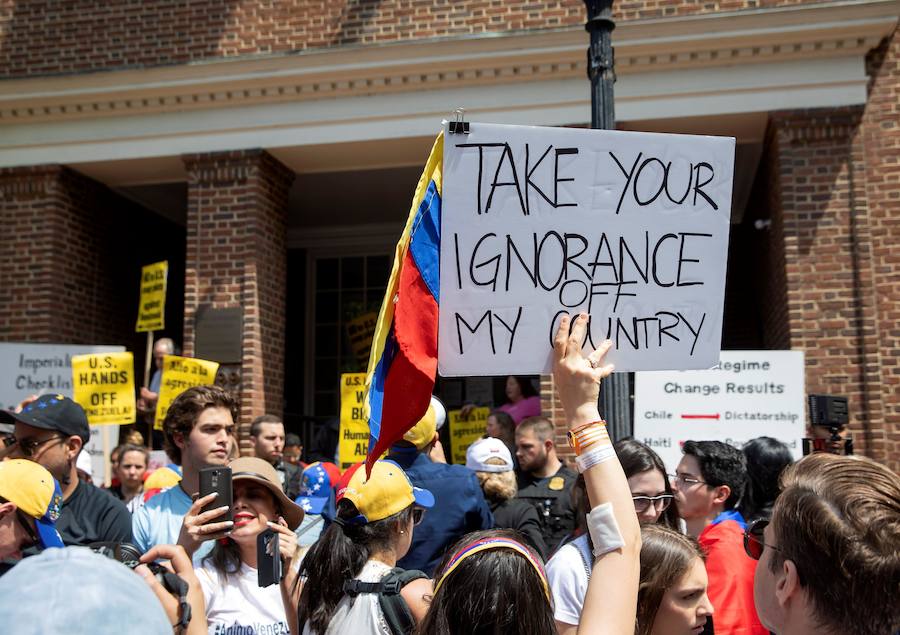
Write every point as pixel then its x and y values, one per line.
pixel 881 136
pixel 70 260
pixel 237 257
pixel 42 37
pixel 825 223
pixel 59 262
pixel 769 283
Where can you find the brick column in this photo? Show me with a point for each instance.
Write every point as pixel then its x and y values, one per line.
pixel 881 135
pixel 823 224
pixel 61 274
pixel 236 257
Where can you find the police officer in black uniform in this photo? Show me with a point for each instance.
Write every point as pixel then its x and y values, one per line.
pixel 544 481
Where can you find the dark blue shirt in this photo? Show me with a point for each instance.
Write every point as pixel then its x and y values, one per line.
pixel 459 507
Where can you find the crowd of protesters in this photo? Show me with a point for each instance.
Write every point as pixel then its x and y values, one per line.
pixel 727 541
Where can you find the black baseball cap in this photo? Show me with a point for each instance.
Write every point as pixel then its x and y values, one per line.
pixel 52 412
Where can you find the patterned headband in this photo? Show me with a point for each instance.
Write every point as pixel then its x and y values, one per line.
pixel 493 543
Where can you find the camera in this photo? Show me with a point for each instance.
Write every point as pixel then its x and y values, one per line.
pixel 130 556
pixel 828 413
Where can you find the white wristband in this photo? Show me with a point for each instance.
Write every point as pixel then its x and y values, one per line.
pixel 594 456
pixel 604 530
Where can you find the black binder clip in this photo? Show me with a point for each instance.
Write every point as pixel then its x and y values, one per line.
pixel 459 125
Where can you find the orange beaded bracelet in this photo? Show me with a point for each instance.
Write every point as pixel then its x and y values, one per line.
pixel 588 435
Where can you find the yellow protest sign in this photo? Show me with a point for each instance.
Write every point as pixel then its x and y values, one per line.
pixel 361 331
pixel 152 305
pixel 179 374
pixel 103 384
pixel 464 431
pixel 354 432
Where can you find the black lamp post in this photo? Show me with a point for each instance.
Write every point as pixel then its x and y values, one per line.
pixel 616 395
pixel 601 63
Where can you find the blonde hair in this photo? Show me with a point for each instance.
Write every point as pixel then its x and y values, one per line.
pixel 498 486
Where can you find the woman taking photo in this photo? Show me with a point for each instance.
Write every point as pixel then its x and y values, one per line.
pixel 342 574
pixel 234 600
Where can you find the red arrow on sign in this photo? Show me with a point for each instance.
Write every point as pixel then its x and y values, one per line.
pixel 715 416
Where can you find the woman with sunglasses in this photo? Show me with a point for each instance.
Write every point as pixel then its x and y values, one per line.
pixel 569 570
pixel 611 598
pixel 342 573
pixel 490 582
pixel 229 574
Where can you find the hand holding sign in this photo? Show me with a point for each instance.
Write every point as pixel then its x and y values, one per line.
pixel 179 374
pixel 537 223
pixel 577 377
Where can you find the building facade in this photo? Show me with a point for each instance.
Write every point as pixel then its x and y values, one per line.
pixel 269 150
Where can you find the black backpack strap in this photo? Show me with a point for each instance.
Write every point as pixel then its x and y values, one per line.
pixel 355 587
pixel 393 606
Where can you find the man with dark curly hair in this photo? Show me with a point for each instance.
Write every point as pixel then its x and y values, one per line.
pixel 197 434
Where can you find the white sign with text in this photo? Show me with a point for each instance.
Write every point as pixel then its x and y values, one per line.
pixel 41 369
pixel 631 228
pixel 752 394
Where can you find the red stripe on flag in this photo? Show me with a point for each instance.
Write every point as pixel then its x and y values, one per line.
pixel 410 379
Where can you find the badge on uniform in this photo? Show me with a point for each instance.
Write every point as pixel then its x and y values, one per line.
pixel 556 483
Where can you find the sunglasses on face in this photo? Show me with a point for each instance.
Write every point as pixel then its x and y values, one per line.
pixel 29 446
pixel 418 515
pixel 29 530
pixel 686 481
pixel 754 544
pixel 26 526
pixel 660 503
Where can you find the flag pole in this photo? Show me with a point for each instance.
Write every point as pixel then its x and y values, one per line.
pixel 147 360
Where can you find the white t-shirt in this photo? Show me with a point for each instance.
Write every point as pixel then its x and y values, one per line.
pixel 360 615
pixel 568 575
pixel 236 604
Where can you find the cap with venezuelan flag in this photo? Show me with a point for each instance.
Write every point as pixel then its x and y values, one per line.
pixel 386 492
pixel 34 491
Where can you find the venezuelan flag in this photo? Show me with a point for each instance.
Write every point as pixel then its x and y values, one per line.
pixel 403 359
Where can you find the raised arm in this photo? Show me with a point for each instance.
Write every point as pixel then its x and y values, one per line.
pixel 610 605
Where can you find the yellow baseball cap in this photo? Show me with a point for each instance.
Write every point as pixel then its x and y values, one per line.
pixel 162 478
pixel 421 434
pixel 386 492
pixel 33 489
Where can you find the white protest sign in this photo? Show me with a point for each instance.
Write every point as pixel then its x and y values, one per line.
pixel 40 369
pixel 631 228
pixel 752 394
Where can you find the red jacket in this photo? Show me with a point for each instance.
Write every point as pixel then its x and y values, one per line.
pixel 730 572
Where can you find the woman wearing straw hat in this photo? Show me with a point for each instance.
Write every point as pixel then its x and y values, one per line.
pixel 234 600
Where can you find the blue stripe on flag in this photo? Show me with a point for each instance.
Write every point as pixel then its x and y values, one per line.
pixel 376 391
pixel 425 240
